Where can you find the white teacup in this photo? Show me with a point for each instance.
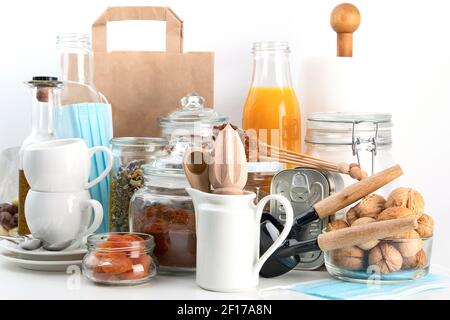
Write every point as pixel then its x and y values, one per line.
pixel 62 165
pixel 59 217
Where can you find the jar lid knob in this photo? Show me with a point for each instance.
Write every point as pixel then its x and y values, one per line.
pixel 192 101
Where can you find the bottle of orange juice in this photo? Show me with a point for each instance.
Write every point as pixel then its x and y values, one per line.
pixel 272 112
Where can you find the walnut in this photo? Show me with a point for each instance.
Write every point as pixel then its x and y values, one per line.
pixel 348 258
pixel 407 198
pixel 370 244
pixel 386 257
pixel 426 225
pixel 351 216
pixel 336 224
pixel 370 206
pixel 408 243
pixel 394 213
pixel 417 261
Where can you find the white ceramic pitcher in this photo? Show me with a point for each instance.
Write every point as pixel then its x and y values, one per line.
pixel 228 235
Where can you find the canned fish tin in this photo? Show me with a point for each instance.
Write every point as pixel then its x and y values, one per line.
pixel 304 187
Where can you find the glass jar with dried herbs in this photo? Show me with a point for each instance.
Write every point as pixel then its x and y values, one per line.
pixel 130 154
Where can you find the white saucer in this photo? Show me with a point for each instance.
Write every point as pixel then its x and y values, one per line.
pixel 40 265
pixel 41 254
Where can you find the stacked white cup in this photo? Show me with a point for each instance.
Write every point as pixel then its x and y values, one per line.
pixel 58 208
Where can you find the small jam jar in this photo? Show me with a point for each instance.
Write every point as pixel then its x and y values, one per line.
pixel 120 258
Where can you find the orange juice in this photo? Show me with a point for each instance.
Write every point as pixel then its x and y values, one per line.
pixel 274 113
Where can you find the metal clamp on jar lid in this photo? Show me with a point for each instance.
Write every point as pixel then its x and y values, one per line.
pixel 360 131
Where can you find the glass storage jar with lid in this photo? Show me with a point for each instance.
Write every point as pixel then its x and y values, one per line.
pixel 164 209
pixel 364 138
pixel 192 125
pixel 126 176
pixel 119 258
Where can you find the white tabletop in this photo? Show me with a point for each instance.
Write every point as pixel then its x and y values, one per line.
pixel 18 283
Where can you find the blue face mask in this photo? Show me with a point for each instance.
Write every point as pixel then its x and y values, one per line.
pixel 93 123
pixel 341 290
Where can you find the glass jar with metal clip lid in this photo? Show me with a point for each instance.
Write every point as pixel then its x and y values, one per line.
pixel 363 138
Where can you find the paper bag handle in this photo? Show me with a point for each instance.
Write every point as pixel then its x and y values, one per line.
pixel 174 27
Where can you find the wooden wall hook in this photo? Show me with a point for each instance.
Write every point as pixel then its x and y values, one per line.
pixel 345 19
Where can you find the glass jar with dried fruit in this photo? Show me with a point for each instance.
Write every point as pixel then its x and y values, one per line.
pixel 120 258
pixel 164 209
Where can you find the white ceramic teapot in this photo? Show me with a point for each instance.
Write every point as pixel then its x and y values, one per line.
pixel 228 239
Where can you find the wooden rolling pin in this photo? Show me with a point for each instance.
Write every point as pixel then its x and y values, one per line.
pixel 349 195
pixel 354 235
pixel 356 191
pixel 349 237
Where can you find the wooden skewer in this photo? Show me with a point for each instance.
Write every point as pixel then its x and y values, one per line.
pixel 307 161
pixel 300 163
pixel 301 155
pixel 299 159
pixel 287 155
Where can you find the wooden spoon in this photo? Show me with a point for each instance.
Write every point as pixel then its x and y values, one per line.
pixel 196 168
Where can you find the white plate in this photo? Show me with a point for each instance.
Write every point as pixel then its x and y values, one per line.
pixel 40 265
pixel 41 254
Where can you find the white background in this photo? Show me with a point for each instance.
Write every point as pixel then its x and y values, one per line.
pixel 402 54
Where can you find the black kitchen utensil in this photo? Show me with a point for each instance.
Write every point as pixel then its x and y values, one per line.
pixel 286 256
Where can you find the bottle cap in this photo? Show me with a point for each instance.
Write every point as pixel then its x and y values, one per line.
pixel 44 78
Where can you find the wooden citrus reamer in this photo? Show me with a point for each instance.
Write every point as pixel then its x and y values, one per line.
pixel 228 167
